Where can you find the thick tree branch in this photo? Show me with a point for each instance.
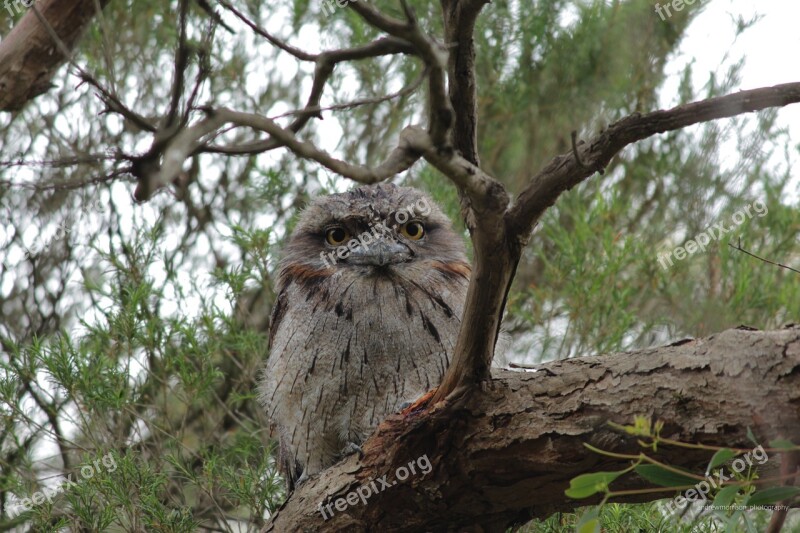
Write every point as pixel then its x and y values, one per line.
pixel 398 161
pixel 459 26
pixel 496 256
pixel 564 171
pixel 498 244
pixel 28 57
pixel 190 140
pixel 507 453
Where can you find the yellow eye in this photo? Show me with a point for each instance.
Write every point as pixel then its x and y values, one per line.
pixel 413 230
pixel 336 236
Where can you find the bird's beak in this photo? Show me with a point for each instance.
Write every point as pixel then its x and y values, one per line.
pixel 381 253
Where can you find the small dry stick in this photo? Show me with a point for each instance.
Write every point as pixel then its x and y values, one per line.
pixel 739 247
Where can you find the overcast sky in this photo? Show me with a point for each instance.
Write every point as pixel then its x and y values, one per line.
pixel 770 50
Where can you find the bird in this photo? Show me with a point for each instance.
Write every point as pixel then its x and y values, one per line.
pixel 371 289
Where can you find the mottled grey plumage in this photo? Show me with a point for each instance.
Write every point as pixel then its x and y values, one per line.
pixel 351 342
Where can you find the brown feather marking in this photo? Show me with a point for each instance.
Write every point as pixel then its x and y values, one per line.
pixel 453 269
pixel 304 274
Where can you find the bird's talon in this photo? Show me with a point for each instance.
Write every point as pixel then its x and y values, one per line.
pixel 302 479
pixel 350 448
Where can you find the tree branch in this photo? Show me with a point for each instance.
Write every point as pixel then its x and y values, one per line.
pixel 459 26
pixel 27 59
pixel 564 171
pixel 325 63
pixel 495 256
pixel 440 111
pixel 498 244
pixel 152 176
pixel 739 248
pixel 498 462
pixel 111 100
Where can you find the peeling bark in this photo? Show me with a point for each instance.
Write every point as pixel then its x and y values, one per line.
pixel 505 454
pixel 28 56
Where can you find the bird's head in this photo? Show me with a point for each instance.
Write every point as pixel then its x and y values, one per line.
pixel 372 230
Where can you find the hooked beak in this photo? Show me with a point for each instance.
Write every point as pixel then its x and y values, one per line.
pixel 381 253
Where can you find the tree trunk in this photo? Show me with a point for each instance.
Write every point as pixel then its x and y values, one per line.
pixel 505 454
pixel 29 57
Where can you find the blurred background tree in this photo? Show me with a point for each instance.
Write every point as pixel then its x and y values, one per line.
pixel 138 329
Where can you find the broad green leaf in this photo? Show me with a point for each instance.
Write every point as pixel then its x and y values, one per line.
pixel 772 495
pixel 589 521
pixel 722 456
pixel 751 436
pixel 733 523
pixel 726 495
pixel 586 485
pixel 783 444
pixel 665 478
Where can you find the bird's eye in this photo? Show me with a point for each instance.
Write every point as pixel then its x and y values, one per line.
pixel 336 236
pixel 413 230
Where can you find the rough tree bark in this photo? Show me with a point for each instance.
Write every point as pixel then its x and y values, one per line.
pixel 29 58
pixel 506 453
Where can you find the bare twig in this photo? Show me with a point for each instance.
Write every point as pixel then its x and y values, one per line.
pixel 325 63
pixel 289 49
pixel 181 62
pixel 398 161
pixel 739 248
pixel 69 185
pixel 107 48
pixel 405 91
pixel 215 17
pixel 110 99
pixel 59 163
pixel 440 111
pixel 203 71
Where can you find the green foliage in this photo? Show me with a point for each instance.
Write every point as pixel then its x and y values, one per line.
pixel 616 518
pixel 731 494
pixel 186 432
